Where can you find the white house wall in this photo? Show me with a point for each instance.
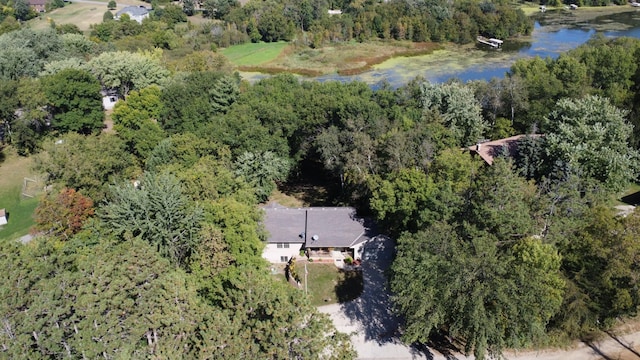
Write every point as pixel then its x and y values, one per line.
pixel 358 250
pixel 273 254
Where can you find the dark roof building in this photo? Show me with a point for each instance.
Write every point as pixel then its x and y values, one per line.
pixel 326 227
pixel 137 13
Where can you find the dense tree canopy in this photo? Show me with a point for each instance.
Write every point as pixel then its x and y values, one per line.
pixel 74 96
pixel 522 252
pixel 592 136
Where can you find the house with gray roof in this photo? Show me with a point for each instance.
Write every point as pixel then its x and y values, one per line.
pixel 330 234
pixel 137 13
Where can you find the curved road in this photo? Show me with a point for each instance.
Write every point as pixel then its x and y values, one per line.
pixel 373 326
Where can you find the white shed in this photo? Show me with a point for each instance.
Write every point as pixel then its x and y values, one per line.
pixel 3 217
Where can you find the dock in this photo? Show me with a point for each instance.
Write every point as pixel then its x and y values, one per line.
pixel 495 43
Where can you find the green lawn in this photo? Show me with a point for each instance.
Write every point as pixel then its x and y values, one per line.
pixel 253 54
pixel 329 285
pixel 13 169
pixel 20 217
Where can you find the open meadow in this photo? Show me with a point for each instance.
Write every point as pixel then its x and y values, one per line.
pixel 254 54
pixel 13 170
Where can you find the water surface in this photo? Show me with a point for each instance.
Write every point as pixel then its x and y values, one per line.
pixel 552 35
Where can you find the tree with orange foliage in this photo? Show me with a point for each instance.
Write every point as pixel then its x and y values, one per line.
pixel 63 215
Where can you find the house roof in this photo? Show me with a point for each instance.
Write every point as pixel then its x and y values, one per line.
pixel 334 226
pixel 490 149
pixel 133 11
pixel 37 2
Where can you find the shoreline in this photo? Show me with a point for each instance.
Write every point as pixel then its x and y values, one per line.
pixel 373 55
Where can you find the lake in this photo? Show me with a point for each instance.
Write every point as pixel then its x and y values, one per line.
pixel 552 35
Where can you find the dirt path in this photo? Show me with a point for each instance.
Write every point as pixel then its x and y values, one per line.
pixel 614 347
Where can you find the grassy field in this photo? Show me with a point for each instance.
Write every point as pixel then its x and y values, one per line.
pixel 13 169
pixel 254 54
pixel 329 285
pixel 82 15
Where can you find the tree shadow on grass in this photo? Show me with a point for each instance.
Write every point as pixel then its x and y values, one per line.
pixel 350 285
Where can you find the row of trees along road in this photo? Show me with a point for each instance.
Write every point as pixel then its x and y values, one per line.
pixel 207 148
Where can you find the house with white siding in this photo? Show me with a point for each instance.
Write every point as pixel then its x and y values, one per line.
pixel 324 234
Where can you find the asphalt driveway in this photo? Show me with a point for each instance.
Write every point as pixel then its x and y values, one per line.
pixel 369 319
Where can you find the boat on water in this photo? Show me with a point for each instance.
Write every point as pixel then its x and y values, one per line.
pixel 494 43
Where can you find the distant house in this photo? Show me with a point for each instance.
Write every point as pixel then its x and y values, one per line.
pixel 3 217
pixel 137 13
pixel 38 5
pixel 573 7
pixel 332 233
pixel 491 149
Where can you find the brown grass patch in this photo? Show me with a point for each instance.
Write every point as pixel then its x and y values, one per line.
pixel 415 50
pixel 344 58
pixel 274 71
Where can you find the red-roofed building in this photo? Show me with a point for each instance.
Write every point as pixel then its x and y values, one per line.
pixel 38 5
pixel 491 149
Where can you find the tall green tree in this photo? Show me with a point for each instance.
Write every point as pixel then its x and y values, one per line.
pixel 76 101
pixel 125 71
pixel 24 52
pixel 86 164
pixel 262 171
pixel 22 10
pixel 457 108
pixel 489 296
pixel 158 212
pixel 136 121
pixel 278 323
pixel 600 264
pixel 108 299
pixel 400 201
pixel 592 136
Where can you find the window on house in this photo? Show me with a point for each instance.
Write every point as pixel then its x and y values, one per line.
pixel 282 245
pixel 284 259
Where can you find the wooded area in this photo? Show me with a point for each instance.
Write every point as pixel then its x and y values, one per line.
pixel 150 240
